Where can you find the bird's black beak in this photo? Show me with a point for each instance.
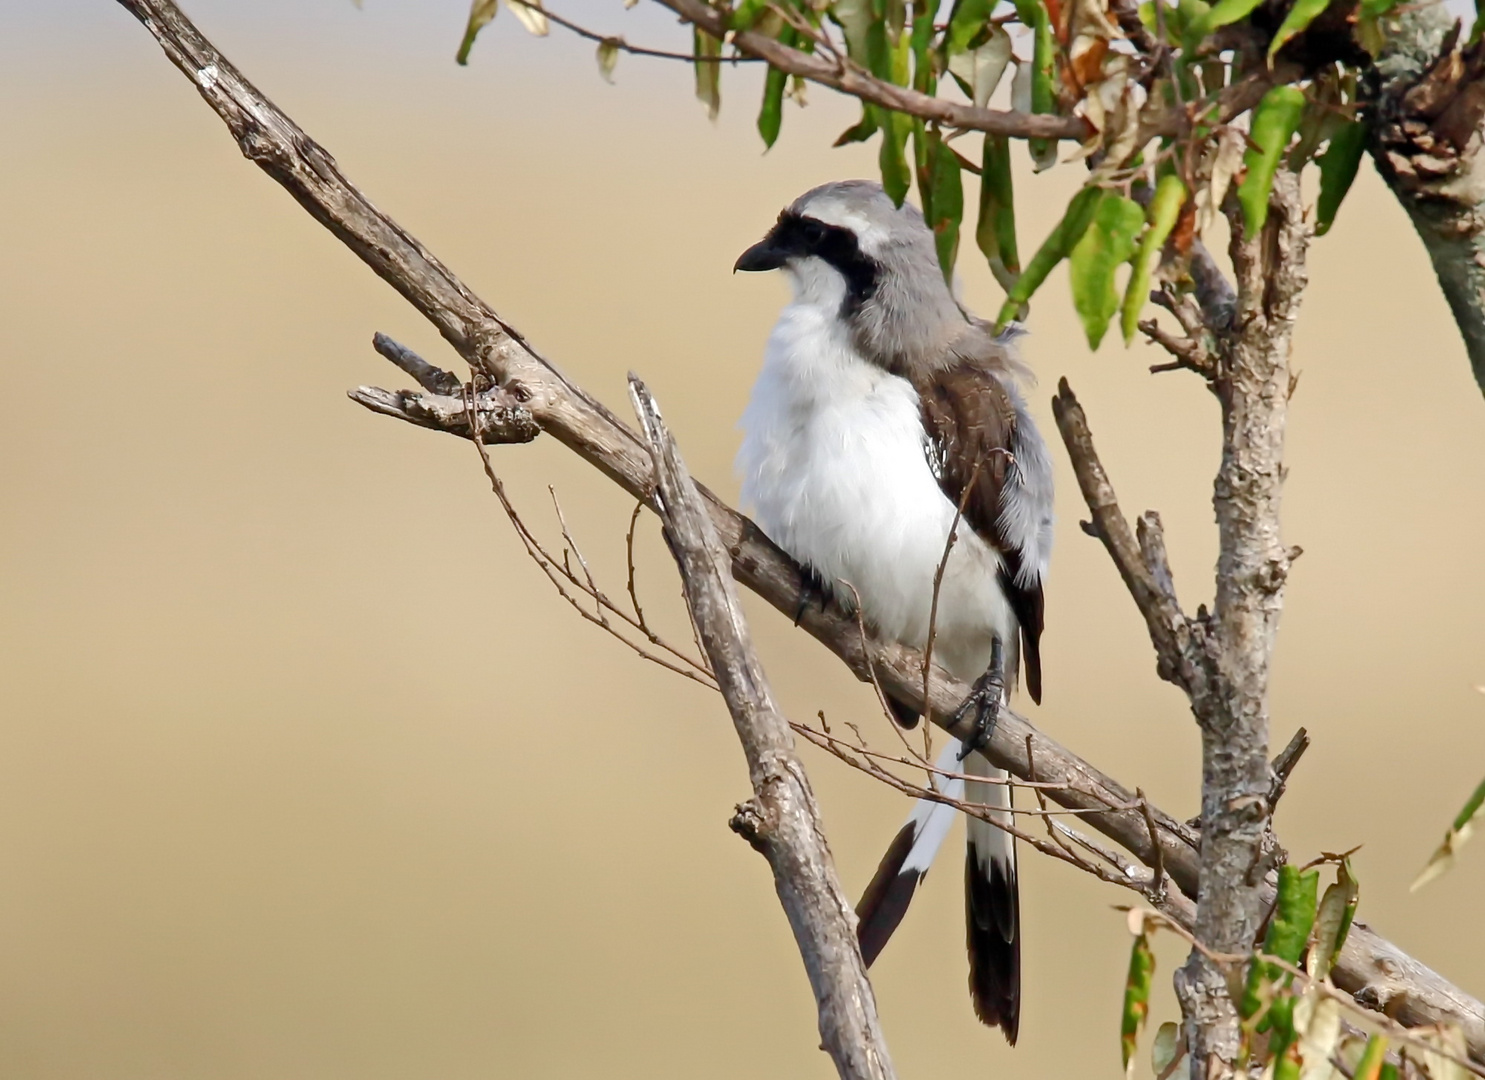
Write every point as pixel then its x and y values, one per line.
pixel 763 255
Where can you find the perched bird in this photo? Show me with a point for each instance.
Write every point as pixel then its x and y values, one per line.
pixel 882 408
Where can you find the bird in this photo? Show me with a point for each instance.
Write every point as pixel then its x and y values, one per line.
pixel 884 416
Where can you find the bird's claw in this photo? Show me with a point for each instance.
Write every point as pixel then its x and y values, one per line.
pixel 984 700
pixel 811 587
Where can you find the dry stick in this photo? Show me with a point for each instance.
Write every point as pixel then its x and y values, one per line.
pixel 938 584
pixel 781 820
pixel 1372 967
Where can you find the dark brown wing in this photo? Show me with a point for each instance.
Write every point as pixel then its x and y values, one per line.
pixel 970 421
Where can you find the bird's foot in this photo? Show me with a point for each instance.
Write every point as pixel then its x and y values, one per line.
pixel 984 702
pixel 812 588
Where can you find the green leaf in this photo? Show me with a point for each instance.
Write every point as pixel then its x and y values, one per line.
pixel 892 158
pixel 480 14
pixel 966 21
pixel 1300 16
pixel 1054 249
pixel 878 46
pixel 1192 16
pixel 1108 243
pixel 948 204
pixel 1333 920
pixel 1274 123
pixel 1373 1060
pixel 1223 13
pixel 1136 999
pixel 1165 209
pixel 1388 1071
pixel 771 115
pixel 1338 166
pixel 1459 832
pixel 1043 80
pixel 747 13
pixel 925 81
pixel 1294 914
pixel 860 131
pixel 1288 931
pixel 995 230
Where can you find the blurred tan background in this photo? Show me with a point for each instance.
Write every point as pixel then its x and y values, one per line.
pixel 304 770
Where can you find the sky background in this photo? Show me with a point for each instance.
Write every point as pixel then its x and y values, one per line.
pixel 304 770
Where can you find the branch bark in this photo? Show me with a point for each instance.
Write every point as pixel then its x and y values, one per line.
pixel 501 358
pixel 840 74
pixel 782 820
pixel 1230 700
pixel 1427 99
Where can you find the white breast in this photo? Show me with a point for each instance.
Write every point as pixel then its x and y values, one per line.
pixel 834 470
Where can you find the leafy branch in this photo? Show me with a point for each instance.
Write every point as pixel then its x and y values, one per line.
pixel 1173 108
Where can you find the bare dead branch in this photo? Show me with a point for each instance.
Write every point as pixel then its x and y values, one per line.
pixel 501 418
pixel 781 820
pixel 1170 630
pixel 433 379
pixel 1284 764
pixel 1379 973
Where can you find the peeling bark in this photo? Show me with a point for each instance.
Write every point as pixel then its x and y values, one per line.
pixel 1427 99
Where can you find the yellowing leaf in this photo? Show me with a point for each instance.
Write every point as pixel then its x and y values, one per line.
pixel 708 72
pixel 980 70
pixel 1320 1030
pixel 1459 832
pixel 608 56
pixel 1166 1050
pixel 480 13
pixel 1440 1067
pixel 1333 920
pixel 530 14
pixel 1226 159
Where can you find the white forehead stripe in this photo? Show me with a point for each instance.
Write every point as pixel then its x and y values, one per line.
pixel 832 211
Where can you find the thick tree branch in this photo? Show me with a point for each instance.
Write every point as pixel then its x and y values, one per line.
pixel 500 356
pixel 1230 701
pixel 782 820
pixel 1427 98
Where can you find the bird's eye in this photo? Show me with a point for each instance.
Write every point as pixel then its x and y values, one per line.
pixel 814 233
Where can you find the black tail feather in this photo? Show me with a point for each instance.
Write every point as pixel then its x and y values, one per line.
pixel 993 921
pixel 887 896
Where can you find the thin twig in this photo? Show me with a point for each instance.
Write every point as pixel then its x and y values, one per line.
pixel 639 612
pixel 634 50
pixel 938 583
